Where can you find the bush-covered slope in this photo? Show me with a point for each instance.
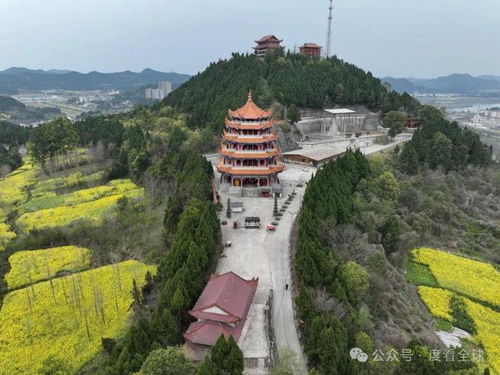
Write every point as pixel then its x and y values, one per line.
pixel 290 79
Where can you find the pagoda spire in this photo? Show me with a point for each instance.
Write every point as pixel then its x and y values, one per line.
pixel 250 97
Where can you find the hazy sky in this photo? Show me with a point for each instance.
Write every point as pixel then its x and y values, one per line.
pixel 419 38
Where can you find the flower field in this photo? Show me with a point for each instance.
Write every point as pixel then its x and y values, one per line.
pixel 67 317
pixel 74 179
pixel 14 186
pixel 467 277
pixel 5 235
pixel 92 211
pixel 487 324
pixel 437 301
pixel 472 278
pixel 50 199
pixel 28 267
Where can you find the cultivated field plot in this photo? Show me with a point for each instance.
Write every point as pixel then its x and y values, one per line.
pixel 28 267
pixel 66 182
pixel 66 317
pixel 6 235
pixel 472 278
pixel 14 186
pixel 50 199
pixel 92 211
pixel 476 282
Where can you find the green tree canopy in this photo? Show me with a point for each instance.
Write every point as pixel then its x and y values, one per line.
pixel 169 361
pixel 394 120
pixel 52 139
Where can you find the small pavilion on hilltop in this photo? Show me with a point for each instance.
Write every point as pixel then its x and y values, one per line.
pixel 266 44
pixel 249 156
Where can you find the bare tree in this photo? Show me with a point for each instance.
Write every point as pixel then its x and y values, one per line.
pixel 349 241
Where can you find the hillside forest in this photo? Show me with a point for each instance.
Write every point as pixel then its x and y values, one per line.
pixel 125 201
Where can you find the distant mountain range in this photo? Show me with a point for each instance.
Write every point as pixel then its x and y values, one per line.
pixel 14 79
pixel 453 84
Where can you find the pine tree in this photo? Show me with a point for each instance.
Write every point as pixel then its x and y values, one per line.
pixel 136 294
pixel 275 209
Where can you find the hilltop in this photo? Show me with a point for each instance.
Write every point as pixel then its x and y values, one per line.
pixel 284 80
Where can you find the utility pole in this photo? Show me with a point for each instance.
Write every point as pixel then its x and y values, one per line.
pixel 328 46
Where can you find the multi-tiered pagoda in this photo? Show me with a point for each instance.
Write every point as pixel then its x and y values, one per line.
pixel 249 157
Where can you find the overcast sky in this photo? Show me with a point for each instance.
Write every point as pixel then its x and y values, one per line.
pixel 418 38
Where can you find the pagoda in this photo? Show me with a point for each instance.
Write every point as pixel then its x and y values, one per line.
pixel 249 156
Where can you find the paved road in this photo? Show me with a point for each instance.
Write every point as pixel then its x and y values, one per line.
pixel 263 254
pixel 267 255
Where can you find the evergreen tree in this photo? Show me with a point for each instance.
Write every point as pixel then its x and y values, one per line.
pixel 293 114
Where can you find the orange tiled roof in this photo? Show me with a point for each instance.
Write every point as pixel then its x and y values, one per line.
pixel 250 111
pixel 249 171
pixel 243 139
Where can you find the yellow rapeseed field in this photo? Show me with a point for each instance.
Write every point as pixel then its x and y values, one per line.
pixel 486 320
pixel 488 331
pixel 437 301
pixel 74 179
pixel 66 318
pixel 50 199
pixel 6 235
pixel 27 267
pixel 472 278
pixel 14 186
pixel 92 211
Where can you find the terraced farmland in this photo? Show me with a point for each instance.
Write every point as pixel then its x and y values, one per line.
pixel 28 267
pixel 476 282
pixel 67 317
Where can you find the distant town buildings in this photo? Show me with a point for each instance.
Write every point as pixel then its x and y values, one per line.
pixel 310 49
pixel 164 88
pixel 266 44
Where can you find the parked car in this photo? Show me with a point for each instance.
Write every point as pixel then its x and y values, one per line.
pixel 271 227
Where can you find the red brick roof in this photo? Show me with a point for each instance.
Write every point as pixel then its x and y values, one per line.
pixel 230 293
pixel 250 111
pixel 207 332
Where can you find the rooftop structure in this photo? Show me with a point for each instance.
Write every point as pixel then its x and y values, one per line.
pixel 248 161
pixel 222 309
pixel 314 156
pixel 267 43
pixel 310 49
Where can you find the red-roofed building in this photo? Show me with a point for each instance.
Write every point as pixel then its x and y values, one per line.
pixel 267 43
pixel 222 309
pixel 310 49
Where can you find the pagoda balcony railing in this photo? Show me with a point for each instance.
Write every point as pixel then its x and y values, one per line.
pixel 250 135
pixel 258 122
pixel 260 168
pixel 250 152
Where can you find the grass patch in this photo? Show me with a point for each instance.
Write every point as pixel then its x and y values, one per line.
pixel 420 274
pixel 443 324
